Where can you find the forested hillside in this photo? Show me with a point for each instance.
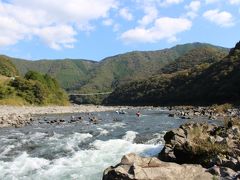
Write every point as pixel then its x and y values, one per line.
pixel 71 74
pixel 85 76
pixel 204 84
pixel 33 88
pixel 195 57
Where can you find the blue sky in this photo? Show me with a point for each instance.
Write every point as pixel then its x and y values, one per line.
pixel 94 29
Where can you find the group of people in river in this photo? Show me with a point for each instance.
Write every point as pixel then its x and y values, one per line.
pixel 138 113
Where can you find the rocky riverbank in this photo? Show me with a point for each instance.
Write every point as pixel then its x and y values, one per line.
pixel 212 149
pixel 15 116
pixel 212 112
pixel 139 168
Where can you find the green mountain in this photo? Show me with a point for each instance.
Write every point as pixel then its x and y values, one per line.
pixel 88 76
pixel 197 56
pixel 71 74
pixel 218 82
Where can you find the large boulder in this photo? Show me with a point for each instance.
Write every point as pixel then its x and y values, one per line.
pixel 138 168
pixel 203 144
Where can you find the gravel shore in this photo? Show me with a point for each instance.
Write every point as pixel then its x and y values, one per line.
pixel 16 116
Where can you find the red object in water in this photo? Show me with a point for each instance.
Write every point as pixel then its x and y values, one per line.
pixel 138 114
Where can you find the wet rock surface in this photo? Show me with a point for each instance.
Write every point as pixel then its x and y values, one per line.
pixel 151 168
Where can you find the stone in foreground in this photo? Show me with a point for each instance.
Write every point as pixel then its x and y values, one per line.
pixel 135 167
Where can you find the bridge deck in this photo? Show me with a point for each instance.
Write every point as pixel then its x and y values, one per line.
pixel 91 94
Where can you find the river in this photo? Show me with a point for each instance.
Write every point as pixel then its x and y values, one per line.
pixel 80 150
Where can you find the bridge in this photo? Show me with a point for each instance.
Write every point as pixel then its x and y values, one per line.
pixel 90 94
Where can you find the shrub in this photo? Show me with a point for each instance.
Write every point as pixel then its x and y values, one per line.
pixel 39 89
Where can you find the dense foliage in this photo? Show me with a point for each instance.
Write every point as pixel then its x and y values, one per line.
pixel 71 74
pixel 34 88
pixel 195 57
pixel 89 76
pixel 7 68
pixel 203 84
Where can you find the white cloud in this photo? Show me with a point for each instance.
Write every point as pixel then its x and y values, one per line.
pixel 193 8
pixel 211 1
pixel 65 36
pixel 151 9
pixel 164 28
pixel 151 13
pixel 124 13
pixel 234 2
pixel 170 2
pixel 77 11
pixel 107 22
pixel 221 18
pixel 11 31
pixel 56 22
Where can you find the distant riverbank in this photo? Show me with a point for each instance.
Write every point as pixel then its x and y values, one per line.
pixel 18 116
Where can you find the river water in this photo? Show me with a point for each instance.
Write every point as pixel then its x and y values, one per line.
pixel 80 150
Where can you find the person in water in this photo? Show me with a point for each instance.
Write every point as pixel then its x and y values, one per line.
pixel 138 114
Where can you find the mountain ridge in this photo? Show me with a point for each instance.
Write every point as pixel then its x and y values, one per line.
pixel 88 75
pixel 202 85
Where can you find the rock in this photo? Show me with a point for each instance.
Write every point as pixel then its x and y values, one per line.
pixel 227 173
pixel 231 163
pixel 171 115
pixel 191 113
pixel 14 120
pixel 139 168
pixel 218 139
pixel 237 176
pixel 196 113
pixel 94 120
pixel 215 170
pixel 73 120
pixel 236 130
pixel 223 172
pixel 203 144
pixel 183 117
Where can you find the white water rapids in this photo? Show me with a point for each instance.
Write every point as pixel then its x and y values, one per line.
pixel 81 164
pixel 80 150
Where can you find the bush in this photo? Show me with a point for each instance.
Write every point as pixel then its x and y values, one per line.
pixel 39 89
pixel 7 68
pixel 6 91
